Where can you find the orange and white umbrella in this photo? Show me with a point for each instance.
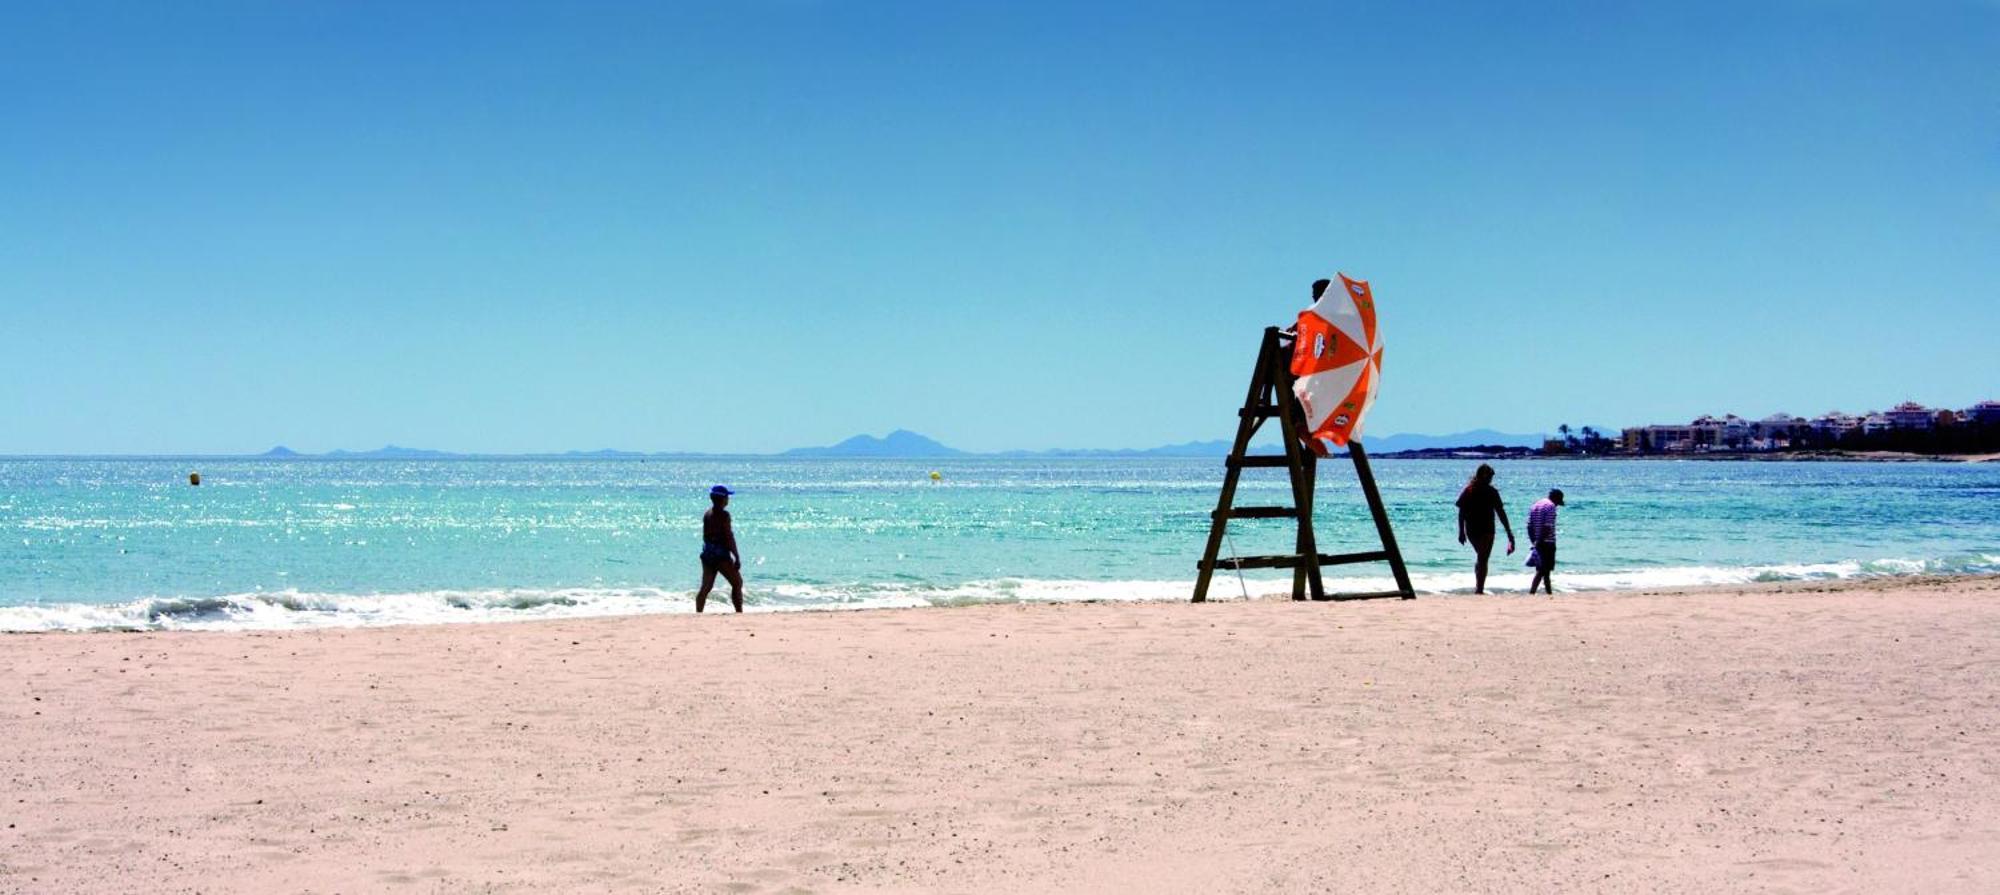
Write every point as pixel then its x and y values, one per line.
pixel 1337 358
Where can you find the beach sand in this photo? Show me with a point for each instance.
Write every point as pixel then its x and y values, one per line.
pixel 1804 738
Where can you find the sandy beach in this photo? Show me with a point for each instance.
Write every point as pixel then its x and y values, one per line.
pixel 1805 738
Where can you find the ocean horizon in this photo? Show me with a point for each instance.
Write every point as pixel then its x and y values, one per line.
pixel 128 544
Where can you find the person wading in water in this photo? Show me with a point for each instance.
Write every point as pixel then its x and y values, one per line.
pixel 1477 505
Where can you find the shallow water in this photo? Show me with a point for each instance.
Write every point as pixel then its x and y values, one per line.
pixel 301 543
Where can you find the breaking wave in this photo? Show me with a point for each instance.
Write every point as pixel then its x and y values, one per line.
pixel 294 609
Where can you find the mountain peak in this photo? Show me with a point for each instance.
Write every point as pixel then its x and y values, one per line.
pixel 898 443
pixel 391 452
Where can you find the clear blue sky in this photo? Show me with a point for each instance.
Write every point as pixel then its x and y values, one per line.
pixel 757 225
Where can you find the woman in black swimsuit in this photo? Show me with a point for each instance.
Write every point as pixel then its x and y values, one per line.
pixel 1477 505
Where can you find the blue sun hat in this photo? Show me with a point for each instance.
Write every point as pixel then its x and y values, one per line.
pixel 720 491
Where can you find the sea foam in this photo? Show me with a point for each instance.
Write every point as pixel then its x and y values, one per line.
pixel 296 609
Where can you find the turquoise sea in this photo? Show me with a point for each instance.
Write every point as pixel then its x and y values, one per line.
pixel 91 544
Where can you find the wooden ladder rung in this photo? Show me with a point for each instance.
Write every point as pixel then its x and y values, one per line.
pixel 1373 595
pixel 1260 460
pixel 1258 513
pixel 1291 560
pixel 1341 559
pixel 1284 561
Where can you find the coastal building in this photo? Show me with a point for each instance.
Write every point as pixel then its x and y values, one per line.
pixel 1704 433
pixel 1707 433
pixel 1911 415
pixel 1783 431
pixel 1655 439
pixel 1829 426
pixel 1635 440
pixel 1731 432
pixel 1778 432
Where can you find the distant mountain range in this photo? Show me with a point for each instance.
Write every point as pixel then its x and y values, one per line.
pixel 387 452
pixel 903 443
pixel 900 443
pixel 906 445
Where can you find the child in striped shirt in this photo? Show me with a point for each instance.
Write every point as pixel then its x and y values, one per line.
pixel 1542 534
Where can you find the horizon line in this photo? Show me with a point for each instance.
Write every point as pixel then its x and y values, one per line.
pixel 280 452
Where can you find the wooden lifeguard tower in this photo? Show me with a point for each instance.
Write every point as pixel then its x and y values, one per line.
pixel 1271 398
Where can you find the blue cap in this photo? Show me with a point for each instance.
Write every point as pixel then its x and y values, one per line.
pixel 719 491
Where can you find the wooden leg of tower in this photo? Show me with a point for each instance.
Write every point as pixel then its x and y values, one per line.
pixel 1246 428
pixel 1301 577
pixel 1303 583
pixel 1308 541
pixel 1381 515
pixel 1217 526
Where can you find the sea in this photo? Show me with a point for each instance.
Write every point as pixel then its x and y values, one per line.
pixel 128 544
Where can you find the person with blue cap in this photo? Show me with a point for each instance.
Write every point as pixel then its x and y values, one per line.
pixel 718 551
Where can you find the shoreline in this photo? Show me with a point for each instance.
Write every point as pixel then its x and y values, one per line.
pixel 1158 592
pixel 1795 735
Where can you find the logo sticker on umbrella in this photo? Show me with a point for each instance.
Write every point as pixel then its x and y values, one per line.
pixel 1336 384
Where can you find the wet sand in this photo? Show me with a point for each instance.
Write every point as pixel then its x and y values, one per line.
pixel 1798 738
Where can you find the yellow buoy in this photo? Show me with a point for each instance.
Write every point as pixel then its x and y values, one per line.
pixel 937 476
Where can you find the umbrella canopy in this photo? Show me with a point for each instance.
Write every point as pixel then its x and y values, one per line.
pixel 1337 358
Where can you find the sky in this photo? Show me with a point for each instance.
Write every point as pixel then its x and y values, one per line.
pixel 749 226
